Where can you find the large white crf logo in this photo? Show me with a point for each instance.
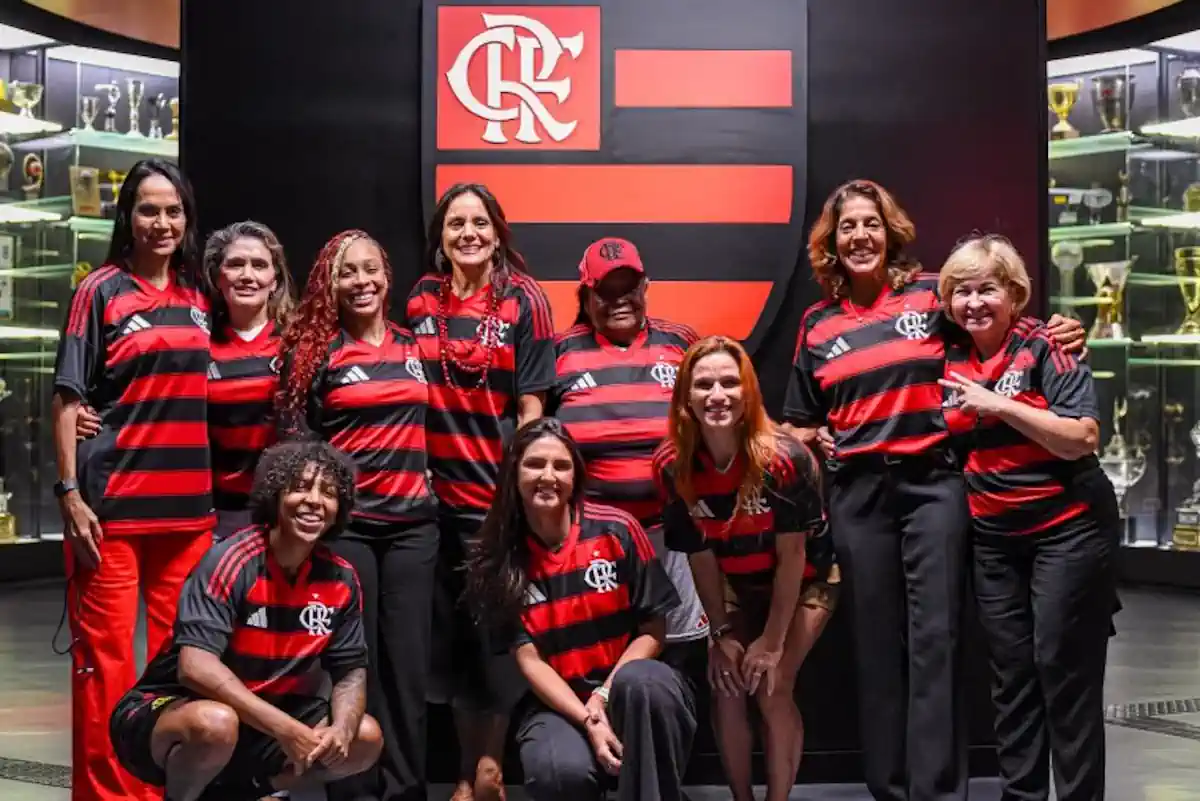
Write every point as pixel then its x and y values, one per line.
pixel 317 619
pixel 1009 384
pixel 531 80
pixel 601 575
pixel 912 325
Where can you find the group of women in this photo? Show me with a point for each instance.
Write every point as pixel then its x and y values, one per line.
pixel 564 531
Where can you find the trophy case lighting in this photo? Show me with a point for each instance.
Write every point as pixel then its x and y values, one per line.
pixel 1124 241
pixel 73 122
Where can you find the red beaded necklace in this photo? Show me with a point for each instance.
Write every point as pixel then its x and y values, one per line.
pixel 488 328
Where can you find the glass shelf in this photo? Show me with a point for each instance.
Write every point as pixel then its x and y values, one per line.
pixel 16 125
pixel 1156 279
pixel 1081 300
pixel 1171 339
pixel 1175 219
pixel 101 140
pixel 1120 141
pixel 1064 233
pixel 1123 342
pixel 97 226
pixel 40 271
pixel 1157 362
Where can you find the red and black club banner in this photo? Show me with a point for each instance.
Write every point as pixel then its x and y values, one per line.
pixel 680 125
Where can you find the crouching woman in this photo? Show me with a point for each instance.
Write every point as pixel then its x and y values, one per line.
pixel 583 599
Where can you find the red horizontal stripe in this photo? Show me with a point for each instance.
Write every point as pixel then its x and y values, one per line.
pixel 164 386
pixel 369 394
pixel 464 494
pixel 465 399
pixel 160 525
pixel 242 438
pixel 1069 513
pixel 621 470
pixel 466 448
pixel 633 193
pixel 158 484
pixel 618 431
pixel 606 546
pixel 243 390
pixel 264 644
pixel 580 662
pixel 127 304
pixel 839 323
pixel 898 446
pixel 991 504
pixel 281 685
pixel 618 393
pixel 379 438
pixel 1002 460
pixel 158 339
pixel 391 483
pixel 562 612
pixel 762 562
pixel 166 434
pixel 577 361
pixel 885 354
pixel 702 78
pixel 904 400
pixel 264 592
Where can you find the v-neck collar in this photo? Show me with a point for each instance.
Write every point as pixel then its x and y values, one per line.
pixel 611 347
pixel 151 289
pixel 559 554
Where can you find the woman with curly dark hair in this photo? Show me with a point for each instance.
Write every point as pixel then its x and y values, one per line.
pixel 865 385
pixel 356 380
pixel 487 338
pixel 136 500
pixel 578 585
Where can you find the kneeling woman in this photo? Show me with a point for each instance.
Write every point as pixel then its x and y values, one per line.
pixel 1045 524
pixel 579 587
pixel 743 499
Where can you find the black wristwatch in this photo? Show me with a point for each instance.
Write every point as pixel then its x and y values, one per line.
pixel 61 488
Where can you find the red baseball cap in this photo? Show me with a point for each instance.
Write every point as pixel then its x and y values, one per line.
pixel 605 255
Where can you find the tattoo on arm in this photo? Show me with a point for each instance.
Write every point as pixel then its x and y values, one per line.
pixel 349 701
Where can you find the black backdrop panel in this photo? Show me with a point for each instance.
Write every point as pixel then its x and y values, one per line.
pixel 308 116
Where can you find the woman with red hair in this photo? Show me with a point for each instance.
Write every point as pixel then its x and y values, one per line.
pixel 867 366
pixel 356 380
pixel 486 334
pixel 743 500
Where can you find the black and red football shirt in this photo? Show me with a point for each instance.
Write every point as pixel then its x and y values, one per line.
pixel 743 540
pixel 371 402
pixel 139 356
pixel 870 373
pixel 587 598
pixel 614 402
pixel 1015 486
pixel 242 380
pixel 470 423
pixel 270 629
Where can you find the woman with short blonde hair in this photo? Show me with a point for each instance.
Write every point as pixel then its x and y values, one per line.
pixel 1044 523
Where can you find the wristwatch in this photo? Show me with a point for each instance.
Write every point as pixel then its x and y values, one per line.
pixel 720 631
pixel 602 692
pixel 61 488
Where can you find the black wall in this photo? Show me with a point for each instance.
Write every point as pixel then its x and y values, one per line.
pixel 306 115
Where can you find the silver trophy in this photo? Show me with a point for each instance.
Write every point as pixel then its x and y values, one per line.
pixel 157 104
pixel 1112 95
pixel 137 90
pixel 1123 465
pixel 1186 532
pixel 1066 256
pixel 110 114
pixel 1109 278
pixel 1096 199
pixel 1189 92
pixel 89 107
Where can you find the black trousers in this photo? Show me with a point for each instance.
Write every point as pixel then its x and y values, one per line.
pixel 653 714
pixel 396 573
pixel 901 531
pixel 1046 602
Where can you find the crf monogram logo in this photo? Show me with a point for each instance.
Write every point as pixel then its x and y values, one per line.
pixel 912 325
pixel 601 575
pixel 532 79
pixel 316 618
pixel 664 373
pixel 492 333
pixel 611 250
pixel 1009 384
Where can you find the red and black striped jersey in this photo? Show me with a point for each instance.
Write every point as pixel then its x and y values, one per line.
pixel 744 544
pixel 871 373
pixel 586 600
pixel 242 380
pixel 372 402
pixel 271 630
pixel 1015 486
pixel 139 356
pixel 469 423
pixel 614 403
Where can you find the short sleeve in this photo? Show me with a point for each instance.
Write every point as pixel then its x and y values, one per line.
pixel 1067 383
pixel 796 483
pixel 680 532
pixel 534 340
pixel 81 346
pixel 803 404
pixel 208 605
pixel 651 593
pixel 347 648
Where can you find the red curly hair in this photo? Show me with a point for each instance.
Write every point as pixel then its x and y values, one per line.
pixel 822 240
pixel 315 323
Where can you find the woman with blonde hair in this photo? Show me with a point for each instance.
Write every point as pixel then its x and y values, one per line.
pixel 1044 523
pixel 743 500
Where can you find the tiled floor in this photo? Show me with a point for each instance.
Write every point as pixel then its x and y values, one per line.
pixel 1153 689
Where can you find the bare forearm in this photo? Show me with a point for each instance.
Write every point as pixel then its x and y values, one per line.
pixel 530 407
pixel 785 594
pixel 806 434
pixel 64 413
pixel 1065 437
pixel 550 688
pixel 206 675
pixel 349 700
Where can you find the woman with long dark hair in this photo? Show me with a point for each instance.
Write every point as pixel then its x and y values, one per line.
pixel 354 379
pixel 136 499
pixel 249 287
pixel 580 588
pixel 743 499
pixel 1045 523
pixel 868 361
pixel 487 339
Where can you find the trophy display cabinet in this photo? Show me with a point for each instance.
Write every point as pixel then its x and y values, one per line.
pixel 72 122
pixel 1124 244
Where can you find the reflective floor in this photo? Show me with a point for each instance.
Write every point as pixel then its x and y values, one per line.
pixel 1153 691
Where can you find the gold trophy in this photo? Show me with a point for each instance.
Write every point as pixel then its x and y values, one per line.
pixel 85 191
pixel 173 104
pixel 1062 97
pixel 1187 269
pixel 116 179
pixel 1109 278
pixel 1112 95
pixel 25 96
pixel 8 523
pixel 1124 197
pixel 82 270
pixel 35 175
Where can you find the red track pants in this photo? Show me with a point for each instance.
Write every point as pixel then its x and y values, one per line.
pixel 102 606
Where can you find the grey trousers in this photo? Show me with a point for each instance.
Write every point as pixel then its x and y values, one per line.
pixel 653 713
